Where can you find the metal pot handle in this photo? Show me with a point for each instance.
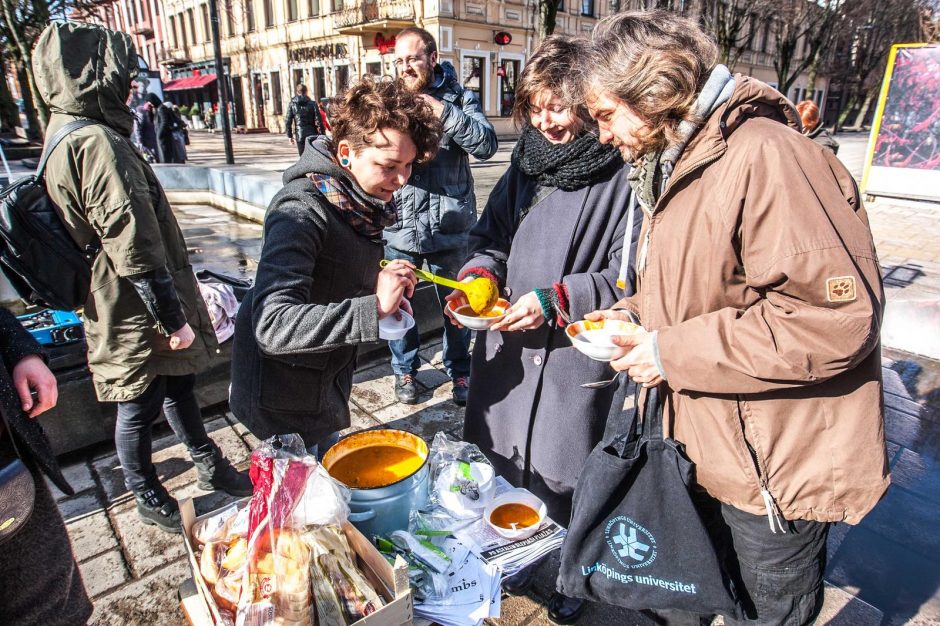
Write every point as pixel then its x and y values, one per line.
pixel 361 516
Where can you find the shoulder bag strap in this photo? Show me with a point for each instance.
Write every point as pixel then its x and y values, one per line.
pixel 61 134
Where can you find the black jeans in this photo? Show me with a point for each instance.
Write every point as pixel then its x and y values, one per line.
pixel 779 577
pixel 132 434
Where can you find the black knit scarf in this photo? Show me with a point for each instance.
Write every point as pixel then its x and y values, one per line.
pixel 567 166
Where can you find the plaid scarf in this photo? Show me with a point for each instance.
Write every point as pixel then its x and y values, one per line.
pixel 368 216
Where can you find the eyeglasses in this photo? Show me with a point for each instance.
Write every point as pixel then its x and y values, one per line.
pixel 399 63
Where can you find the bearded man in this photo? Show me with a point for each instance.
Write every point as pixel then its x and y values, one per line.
pixel 760 295
pixel 437 207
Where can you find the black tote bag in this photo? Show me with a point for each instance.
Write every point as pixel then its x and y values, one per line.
pixel 635 538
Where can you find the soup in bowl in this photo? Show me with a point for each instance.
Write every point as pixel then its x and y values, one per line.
pixel 474 321
pixel 595 339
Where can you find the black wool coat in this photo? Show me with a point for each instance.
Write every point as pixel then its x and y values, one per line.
pixel 30 441
pixel 526 410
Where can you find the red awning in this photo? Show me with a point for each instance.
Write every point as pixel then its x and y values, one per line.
pixel 189 82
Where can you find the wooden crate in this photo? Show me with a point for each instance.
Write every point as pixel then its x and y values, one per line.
pixel 390 581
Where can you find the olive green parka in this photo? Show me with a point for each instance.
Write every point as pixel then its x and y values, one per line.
pixel 106 189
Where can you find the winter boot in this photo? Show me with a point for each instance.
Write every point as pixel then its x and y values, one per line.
pixel 157 508
pixel 215 472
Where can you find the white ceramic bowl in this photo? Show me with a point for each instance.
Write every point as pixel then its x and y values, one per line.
pixel 517 496
pixel 392 329
pixel 594 338
pixel 469 319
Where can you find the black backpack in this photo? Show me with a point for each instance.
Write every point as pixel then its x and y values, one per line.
pixel 37 254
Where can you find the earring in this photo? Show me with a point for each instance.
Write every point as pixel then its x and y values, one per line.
pixel 344 162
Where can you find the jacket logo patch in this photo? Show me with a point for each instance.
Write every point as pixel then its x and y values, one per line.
pixel 840 289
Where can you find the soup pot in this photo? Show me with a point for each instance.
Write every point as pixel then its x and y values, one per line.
pixel 382 510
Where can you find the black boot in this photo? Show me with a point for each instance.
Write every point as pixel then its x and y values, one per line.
pixel 565 610
pixel 215 472
pixel 157 508
pixel 520 582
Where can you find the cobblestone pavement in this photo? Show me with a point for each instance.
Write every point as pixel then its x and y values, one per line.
pixel 886 570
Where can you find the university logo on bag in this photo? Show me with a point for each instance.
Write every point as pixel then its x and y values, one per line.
pixel 632 545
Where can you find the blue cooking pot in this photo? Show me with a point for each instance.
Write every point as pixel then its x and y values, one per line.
pixel 382 510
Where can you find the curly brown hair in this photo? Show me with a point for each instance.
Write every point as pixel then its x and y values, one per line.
pixel 372 105
pixel 657 63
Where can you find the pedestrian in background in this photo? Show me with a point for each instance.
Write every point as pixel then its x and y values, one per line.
pixel 40 583
pixel 437 208
pixel 180 135
pixel 813 128
pixel 760 296
pixel 554 236
pixel 147 327
pixel 166 126
pixel 146 131
pixel 304 119
pixel 319 292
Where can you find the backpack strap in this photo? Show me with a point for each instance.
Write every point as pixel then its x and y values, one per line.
pixel 61 134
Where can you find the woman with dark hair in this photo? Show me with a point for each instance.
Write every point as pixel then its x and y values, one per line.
pixel 554 235
pixel 318 292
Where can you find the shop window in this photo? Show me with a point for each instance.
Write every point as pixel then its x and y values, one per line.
pixel 313 8
pixel 473 78
pixel 374 69
pixel 507 88
pixel 276 93
pixel 292 10
pixel 587 8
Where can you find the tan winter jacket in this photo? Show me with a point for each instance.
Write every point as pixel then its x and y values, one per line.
pixel 105 188
pixel 762 281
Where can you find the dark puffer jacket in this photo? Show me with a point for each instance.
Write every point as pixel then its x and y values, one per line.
pixel 437 208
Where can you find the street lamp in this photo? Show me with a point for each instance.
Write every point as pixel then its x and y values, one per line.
pixel 221 81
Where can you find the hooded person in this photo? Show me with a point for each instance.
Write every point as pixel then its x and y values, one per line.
pixel 147 328
pixel 167 125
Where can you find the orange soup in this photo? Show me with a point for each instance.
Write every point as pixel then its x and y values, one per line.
pixel 467 311
pixel 375 466
pixel 514 515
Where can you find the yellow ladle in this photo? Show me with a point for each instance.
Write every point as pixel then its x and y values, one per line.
pixel 482 293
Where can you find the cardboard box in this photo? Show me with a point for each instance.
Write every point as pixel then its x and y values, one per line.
pixel 390 582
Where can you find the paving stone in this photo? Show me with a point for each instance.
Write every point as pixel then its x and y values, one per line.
pixel 374 388
pixel 425 419
pixel 896 578
pixel 78 476
pixel 918 474
pixel 909 519
pixel 104 572
pixel 91 535
pixel 79 506
pixel 843 609
pixel 146 548
pixel 432 353
pixel 431 377
pixel 151 600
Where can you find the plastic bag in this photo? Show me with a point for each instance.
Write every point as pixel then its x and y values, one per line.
pixel 462 479
pixel 342 593
pixel 291 491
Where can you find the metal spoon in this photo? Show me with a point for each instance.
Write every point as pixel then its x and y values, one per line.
pixel 602 383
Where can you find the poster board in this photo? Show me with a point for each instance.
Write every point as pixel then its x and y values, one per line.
pixel 903 159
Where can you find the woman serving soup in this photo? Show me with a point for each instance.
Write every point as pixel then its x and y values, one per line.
pixel 318 292
pixel 552 235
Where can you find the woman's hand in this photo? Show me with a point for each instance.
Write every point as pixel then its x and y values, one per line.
pixel 459 299
pixel 525 314
pixel 396 281
pixel 31 375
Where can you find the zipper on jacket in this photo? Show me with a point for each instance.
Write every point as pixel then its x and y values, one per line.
pixel 770 504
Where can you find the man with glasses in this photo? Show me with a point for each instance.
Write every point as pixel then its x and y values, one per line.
pixel 437 208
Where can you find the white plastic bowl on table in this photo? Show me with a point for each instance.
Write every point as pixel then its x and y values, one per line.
pixel 516 496
pixel 594 339
pixel 475 322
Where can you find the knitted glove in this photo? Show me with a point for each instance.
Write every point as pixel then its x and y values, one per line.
pixel 553 300
pixel 478 272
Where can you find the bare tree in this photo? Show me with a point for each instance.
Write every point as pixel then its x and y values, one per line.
pixel 802 31
pixel 867 30
pixel 734 25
